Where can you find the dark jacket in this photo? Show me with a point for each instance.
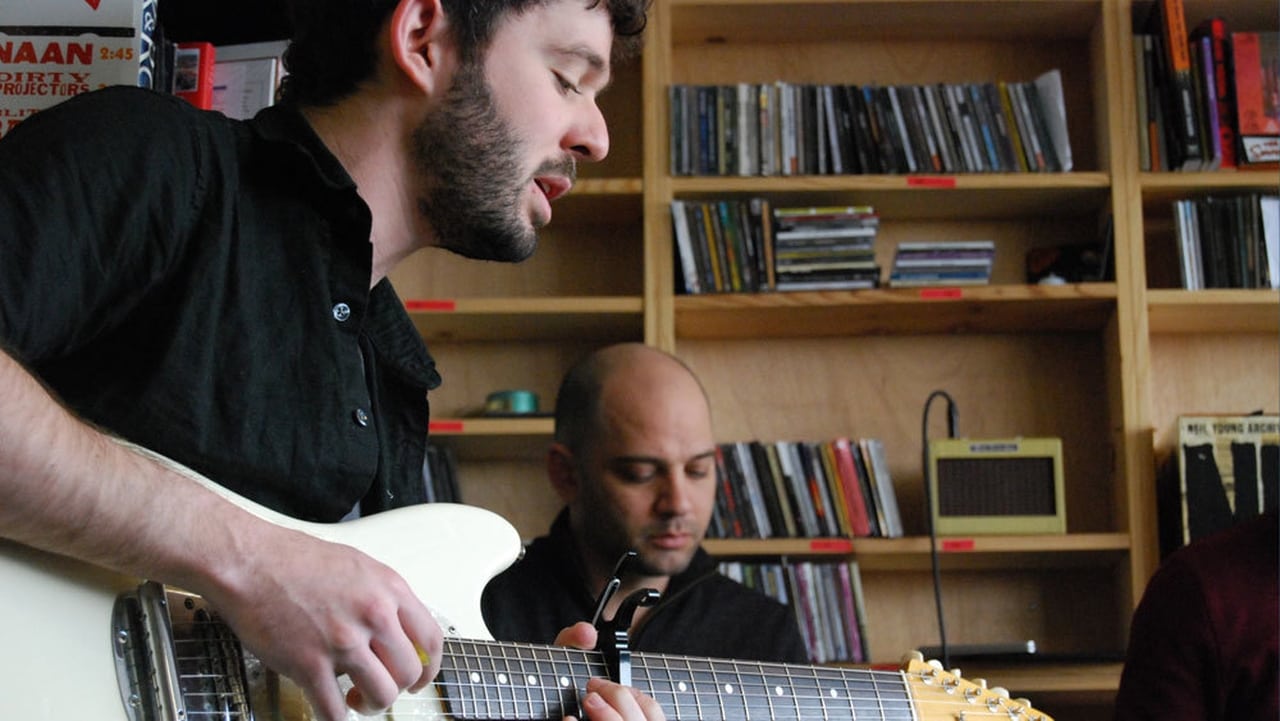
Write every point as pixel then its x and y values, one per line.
pixel 1205 640
pixel 702 613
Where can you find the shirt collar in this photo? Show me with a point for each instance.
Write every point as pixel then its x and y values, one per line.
pixel 284 124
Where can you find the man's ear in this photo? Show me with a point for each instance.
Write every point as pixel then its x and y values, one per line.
pixel 562 472
pixel 419 43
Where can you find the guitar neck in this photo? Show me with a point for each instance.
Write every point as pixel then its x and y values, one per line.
pixel 525 682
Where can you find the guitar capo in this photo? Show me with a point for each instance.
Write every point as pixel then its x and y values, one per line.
pixel 612 638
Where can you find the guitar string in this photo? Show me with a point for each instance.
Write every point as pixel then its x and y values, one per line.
pixel 680 698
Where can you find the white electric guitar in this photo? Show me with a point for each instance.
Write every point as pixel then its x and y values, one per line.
pixel 81 643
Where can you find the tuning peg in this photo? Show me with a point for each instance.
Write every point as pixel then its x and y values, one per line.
pixel 935 663
pixel 1024 702
pixel 1000 691
pixel 913 656
pixel 956 672
pixel 979 682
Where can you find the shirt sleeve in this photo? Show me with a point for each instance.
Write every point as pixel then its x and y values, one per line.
pixel 93 192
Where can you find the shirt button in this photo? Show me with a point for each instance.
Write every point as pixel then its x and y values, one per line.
pixel 341 312
pixel 361 417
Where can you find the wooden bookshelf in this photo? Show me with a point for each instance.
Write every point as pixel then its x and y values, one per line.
pixel 1105 366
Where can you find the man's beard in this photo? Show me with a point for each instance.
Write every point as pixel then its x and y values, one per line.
pixel 610 541
pixel 469 158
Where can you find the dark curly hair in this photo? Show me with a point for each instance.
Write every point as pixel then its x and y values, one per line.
pixel 333 47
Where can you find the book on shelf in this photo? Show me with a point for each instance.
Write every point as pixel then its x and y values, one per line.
pixel 1151 96
pixel 1227 241
pixel 52 51
pixel 819 488
pixel 777 507
pixel 1256 60
pixel 1214 30
pixel 801 489
pixel 859 608
pixel 748 246
pixel 825 597
pixel 1269 206
pixel 794 473
pixel 193 73
pixel 722 246
pixel 852 493
pixel 925 263
pixel 1224 470
pixel 1206 90
pixel 786 128
pixel 1140 44
pixel 1053 106
pixel 886 496
pixel 1168 27
pixel 729 519
pixel 835 489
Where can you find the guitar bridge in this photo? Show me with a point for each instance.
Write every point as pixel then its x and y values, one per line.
pixel 175 659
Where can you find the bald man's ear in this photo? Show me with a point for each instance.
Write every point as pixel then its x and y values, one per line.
pixel 562 472
pixel 420 44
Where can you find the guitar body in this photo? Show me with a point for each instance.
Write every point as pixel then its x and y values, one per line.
pixel 56 613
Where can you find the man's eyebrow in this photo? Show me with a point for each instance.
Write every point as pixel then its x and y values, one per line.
pixel 593 59
pixel 709 453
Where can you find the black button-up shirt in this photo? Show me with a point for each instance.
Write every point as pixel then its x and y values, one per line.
pixel 200 286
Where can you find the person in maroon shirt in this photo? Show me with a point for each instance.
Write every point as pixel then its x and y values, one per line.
pixel 1204 643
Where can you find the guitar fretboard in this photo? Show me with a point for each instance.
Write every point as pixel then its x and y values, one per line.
pixel 525 682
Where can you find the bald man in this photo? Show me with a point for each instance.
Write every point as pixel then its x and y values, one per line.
pixel 634 460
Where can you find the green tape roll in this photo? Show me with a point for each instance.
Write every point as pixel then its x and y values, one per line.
pixel 511 401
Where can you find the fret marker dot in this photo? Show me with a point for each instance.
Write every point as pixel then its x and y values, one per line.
pixel 777 690
pixel 834 693
pixel 728 688
pixel 502 678
pixel 682 686
pixel 475 677
pixel 564 681
pixel 531 680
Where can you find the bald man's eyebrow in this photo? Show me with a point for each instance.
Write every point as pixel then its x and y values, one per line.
pixel 710 453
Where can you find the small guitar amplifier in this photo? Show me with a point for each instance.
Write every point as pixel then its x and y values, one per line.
pixel 1011 485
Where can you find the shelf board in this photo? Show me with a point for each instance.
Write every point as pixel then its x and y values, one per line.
pixel 781 21
pixel 897 311
pixel 597 187
pixel 1045 682
pixel 607 318
pixel 976 196
pixel 494 438
pixel 1213 311
pixel 1160 188
pixel 967 552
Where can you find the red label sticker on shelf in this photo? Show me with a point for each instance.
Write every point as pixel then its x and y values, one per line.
pixel 915 181
pixel 831 545
pixel 445 426
pixel 941 293
pixel 438 306
pixel 957 544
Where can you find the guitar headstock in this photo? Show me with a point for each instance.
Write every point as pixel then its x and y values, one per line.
pixel 941 695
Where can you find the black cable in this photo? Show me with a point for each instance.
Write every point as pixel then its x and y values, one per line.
pixel 952 418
